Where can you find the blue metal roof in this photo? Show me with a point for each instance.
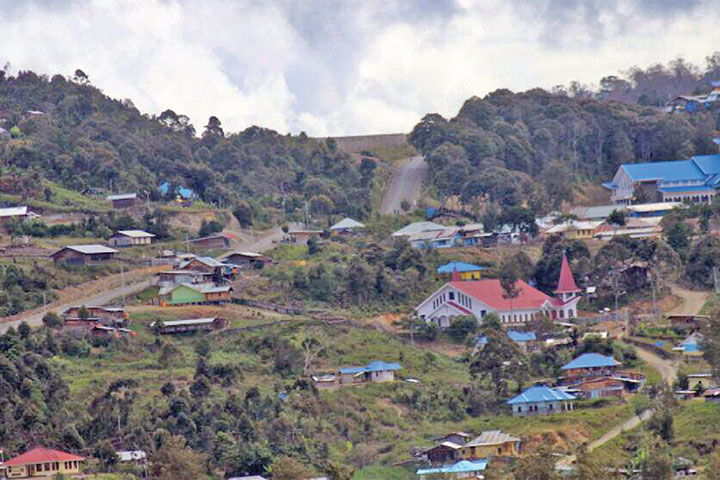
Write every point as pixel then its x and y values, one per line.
pixel 690 188
pixel 540 393
pixel 708 164
pixel 459 266
pixel 591 360
pixel 375 366
pixel 463 466
pixel 519 337
pixel 665 171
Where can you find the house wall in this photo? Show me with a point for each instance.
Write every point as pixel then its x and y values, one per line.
pixel 124 203
pixel 382 376
pixel 219 242
pixel 50 469
pixel 217 297
pixel 539 408
pixel 474 275
pixel 120 241
pixel 507 449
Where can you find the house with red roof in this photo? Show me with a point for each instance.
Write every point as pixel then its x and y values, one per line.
pixel 42 462
pixel 481 297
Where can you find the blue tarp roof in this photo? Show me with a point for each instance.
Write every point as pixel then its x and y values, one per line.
pixel 463 466
pixel 459 266
pixel 591 360
pixel 516 336
pixel 185 193
pixel 666 171
pixel 690 344
pixel 376 366
pixel 540 393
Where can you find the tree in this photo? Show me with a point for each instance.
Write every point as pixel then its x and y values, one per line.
pixel 461 327
pixel 313 245
pixel 678 237
pixel 617 218
pixel 83 313
pixel 24 330
pixel 537 466
pixel 52 320
pixel 312 344
pixel 174 461
pixel 170 356
pixel 244 214
pixel 287 468
pixel 498 362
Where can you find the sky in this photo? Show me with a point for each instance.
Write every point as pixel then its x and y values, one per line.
pixel 331 67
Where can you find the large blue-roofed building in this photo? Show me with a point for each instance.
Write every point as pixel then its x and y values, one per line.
pixel 694 180
pixel 461 469
pixel 541 400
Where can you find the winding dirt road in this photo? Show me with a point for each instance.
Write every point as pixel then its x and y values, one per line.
pixel 405 184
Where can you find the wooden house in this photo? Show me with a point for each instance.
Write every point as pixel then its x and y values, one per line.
pixel 443 453
pixel 123 200
pixel 43 462
pixel 601 387
pixel 492 443
pixel 189 325
pixel 83 255
pixel 195 294
pixel 302 236
pixel 171 278
pixel 460 438
pixel 247 259
pixel 211 242
pixel 591 365
pixel 110 316
pixel 131 238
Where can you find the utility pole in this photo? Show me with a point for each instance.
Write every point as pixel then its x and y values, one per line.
pixel 122 280
pixel 715 279
pixel 306 215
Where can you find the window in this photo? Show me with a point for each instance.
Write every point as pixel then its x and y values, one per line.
pixel 451 295
pixel 519 409
pixel 483 313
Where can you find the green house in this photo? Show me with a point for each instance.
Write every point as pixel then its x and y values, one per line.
pixel 183 294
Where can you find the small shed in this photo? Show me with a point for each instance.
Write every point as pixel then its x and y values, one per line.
pixel 131 238
pixel 123 200
pixel 84 254
pixel 376 371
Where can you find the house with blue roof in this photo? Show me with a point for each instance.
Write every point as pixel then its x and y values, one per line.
pixel 691 346
pixel 461 469
pixel 541 400
pixel 375 371
pixel 591 365
pixel 465 271
pixel 694 180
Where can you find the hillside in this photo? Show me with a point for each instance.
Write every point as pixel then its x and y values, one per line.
pixel 68 132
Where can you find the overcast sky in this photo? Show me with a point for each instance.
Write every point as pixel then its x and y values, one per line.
pixel 343 67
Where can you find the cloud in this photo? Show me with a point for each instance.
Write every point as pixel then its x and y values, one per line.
pixel 333 67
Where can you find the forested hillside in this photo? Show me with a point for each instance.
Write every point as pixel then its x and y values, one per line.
pixel 67 131
pixel 510 148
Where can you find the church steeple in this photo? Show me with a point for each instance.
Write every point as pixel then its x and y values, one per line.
pixel 566 283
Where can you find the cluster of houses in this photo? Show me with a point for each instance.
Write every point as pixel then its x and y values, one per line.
pixel 196 281
pixel 95 254
pixel 694 103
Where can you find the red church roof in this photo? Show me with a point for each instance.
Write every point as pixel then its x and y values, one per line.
pixel 42 455
pixel 491 293
pixel 566 284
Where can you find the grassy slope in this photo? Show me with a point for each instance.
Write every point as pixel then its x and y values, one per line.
pixel 396 428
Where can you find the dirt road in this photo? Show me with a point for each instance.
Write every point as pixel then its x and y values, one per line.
pixel 691 302
pixel 34 319
pixel 666 368
pixel 405 184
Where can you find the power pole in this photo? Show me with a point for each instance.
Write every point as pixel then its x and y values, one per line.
pixel 715 279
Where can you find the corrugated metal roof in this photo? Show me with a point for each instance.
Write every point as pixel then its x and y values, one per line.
pixel 689 188
pixel 595 211
pixel 665 171
pixel 540 393
pixel 418 227
pixel 375 366
pixel 347 223
pixel 459 266
pixel 491 437
pixel 654 207
pixel 519 337
pixel 122 196
pixel 13 211
pixel 189 321
pixel 135 233
pixel 590 360
pixel 463 466
pixel 91 249
pixel 708 164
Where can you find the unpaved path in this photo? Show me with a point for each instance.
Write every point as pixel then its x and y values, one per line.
pixel 691 302
pixel 405 184
pixel 666 368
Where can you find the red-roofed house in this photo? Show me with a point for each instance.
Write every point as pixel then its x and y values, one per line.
pixel 480 297
pixel 42 462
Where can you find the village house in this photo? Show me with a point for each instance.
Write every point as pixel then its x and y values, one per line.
pixel 247 259
pixel 595 212
pixel 194 294
pixel 131 456
pixel 171 278
pixel 220 271
pixel 466 271
pixel 541 400
pixel 376 371
pixel 302 236
pixel 443 453
pixel 694 180
pixel 691 346
pixel 446 238
pixel 600 387
pixel 109 316
pixel 347 225
pixel 98 330
pixel 575 230
pixel 10 213
pixel 699 381
pixel 83 255
pixel 188 325
pixel 131 238
pixel 526 341
pixel 43 462
pixel 418 227
pixel 492 443
pixel 591 365
pixel 686 322
pixel 456 471
pixel 123 200
pixel 459 438
pixel 481 297
pixel 649 227
pixel 211 242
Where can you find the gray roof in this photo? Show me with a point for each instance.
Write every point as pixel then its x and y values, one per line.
pixel 596 211
pixel 90 249
pixel 189 321
pixel 347 223
pixel 122 196
pixel 418 227
pixel 491 437
pixel 134 233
